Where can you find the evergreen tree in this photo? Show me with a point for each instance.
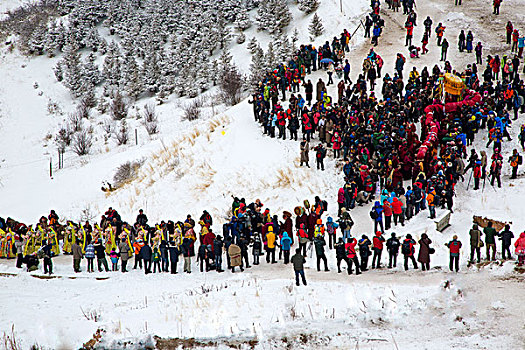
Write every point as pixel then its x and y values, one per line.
pixel 132 79
pixel 72 70
pixel 270 60
pixel 111 69
pixel 280 15
pixel 151 72
pixel 93 39
pixel 316 27
pixel 252 45
pixel 222 32
pixel 241 38
pixel 308 6
pixel 251 4
pixel 242 20
pixel 90 70
pixel 282 47
pixel 257 67
pixel 295 39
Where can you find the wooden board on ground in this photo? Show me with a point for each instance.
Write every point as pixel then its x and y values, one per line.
pixel 482 222
pixel 443 222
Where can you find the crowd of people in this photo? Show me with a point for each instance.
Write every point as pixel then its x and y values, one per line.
pixel 251 233
pixel 374 139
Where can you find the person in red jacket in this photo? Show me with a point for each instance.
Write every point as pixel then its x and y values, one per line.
pixel 336 145
pixel 208 239
pixel 515 37
pixel 496 4
pixel 387 213
pixel 378 249
pixel 410 31
pixel 477 174
pixel 454 246
pixel 397 209
pixel 407 249
pixel 352 256
pixel 302 237
pixel 509 28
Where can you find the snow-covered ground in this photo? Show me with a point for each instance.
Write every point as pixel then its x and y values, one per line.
pixel 191 166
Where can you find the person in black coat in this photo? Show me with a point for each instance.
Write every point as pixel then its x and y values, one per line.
pixel 146 254
pixel 243 244
pixel 218 246
pixel 163 247
pixel 174 256
pixel 48 264
pixel 100 252
pixel 506 237
pixel 142 219
pixel 392 245
pixel 340 254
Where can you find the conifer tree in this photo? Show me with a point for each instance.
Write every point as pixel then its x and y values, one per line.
pixel 308 6
pixel 316 27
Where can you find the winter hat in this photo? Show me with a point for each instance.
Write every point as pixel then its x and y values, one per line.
pixel 455 237
pixel 409 236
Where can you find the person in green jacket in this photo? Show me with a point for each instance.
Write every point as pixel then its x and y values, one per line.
pixel 298 261
pixel 490 240
pixel 156 260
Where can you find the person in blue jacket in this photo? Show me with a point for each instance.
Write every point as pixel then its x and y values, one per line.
pixel 377 215
pixel 286 245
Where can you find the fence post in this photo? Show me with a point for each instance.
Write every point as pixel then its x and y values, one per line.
pixel 136 138
pixel 51 168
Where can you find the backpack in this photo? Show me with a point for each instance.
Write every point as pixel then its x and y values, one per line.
pixel 325 204
pixel 373 214
pixel 405 248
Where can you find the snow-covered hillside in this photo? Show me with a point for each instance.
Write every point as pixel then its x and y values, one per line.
pixel 190 166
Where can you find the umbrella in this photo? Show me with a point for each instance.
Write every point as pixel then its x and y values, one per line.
pixel 327 60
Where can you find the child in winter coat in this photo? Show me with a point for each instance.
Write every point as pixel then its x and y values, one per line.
pixel 90 256
pixel 114 260
pixel 387 212
pixel 256 249
pixel 520 249
pixel 156 260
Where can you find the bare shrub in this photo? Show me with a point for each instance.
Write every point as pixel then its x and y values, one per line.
pixel 231 85
pixel 192 110
pixel 122 134
pixel 151 121
pixel 118 108
pixel 54 108
pixel 83 109
pixel 88 214
pixel 75 121
pixel 82 141
pixel 63 137
pixel 108 126
pixel 126 172
pixel 27 21
pixel 9 340
pixel 91 315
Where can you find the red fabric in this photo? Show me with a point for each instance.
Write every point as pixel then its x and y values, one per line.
pixel 396 206
pixel 378 243
pixel 350 248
